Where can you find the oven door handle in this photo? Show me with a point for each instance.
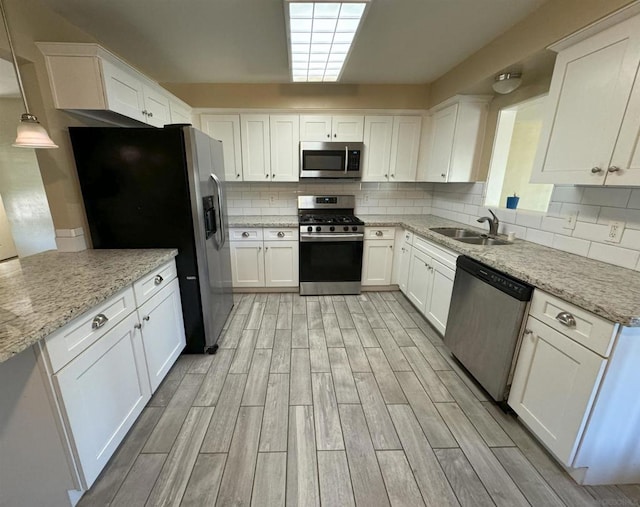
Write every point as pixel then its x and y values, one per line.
pixel 308 238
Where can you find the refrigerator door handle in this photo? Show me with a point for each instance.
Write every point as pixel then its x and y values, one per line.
pixel 223 233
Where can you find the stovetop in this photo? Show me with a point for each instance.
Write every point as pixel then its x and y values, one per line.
pixel 317 219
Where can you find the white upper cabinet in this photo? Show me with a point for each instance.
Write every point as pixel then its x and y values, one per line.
pixel 123 92
pixel 455 140
pixel 156 107
pixel 378 131
pixel 256 147
pixel 226 128
pixel 284 131
pixel 179 113
pixel 592 121
pixel 339 128
pixel 405 145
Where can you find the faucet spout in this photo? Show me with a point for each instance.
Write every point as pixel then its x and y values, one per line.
pixel 494 223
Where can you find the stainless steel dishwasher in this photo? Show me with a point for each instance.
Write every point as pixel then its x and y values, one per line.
pixel 485 324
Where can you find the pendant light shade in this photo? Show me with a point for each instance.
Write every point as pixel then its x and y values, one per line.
pixel 30 133
pixel 507 82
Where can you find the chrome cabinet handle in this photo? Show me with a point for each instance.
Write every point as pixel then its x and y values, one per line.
pixel 386 176
pixel 390 246
pixel 150 114
pixel 613 169
pixel 281 234
pixel 259 248
pixel 379 233
pixel 273 175
pixel 238 175
pixel 99 320
pixel 335 135
pixel 137 325
pixel 146 318
pixel 566 318
pixel 393 175
pixel 144 111
pixel 346 159
pixel 158 280
pixel 266 175
pixel 329 136
pixel 266 248
pixel 596 170
pixel 245 234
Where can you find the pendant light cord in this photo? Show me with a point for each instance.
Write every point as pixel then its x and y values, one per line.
pixel 13 56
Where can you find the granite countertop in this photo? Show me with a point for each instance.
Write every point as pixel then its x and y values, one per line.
pixel 43 292
pixel 264 221
pixel 604 289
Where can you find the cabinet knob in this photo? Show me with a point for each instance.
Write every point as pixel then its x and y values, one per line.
pixel 528 331
pixel 281 234
pixel 238 175
pixel 99 320
pixel 137 325
pixel 335 135
pixel 245 234
pixel 386 176
pixel 443 175
pixel 329 135
pixel 265 248
pixel 146 318
pixel 379 233
pixel 144 112
pixel 613 169
pixel 158 280
pixel 390 246
pixel 266 175
pixel 566 319
pixel 150 114
pixel 259 248
pixel 393 175
pixel 596 170
pixel 273 175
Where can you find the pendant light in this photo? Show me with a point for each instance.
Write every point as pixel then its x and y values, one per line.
pixel 30 133
pixel 506 82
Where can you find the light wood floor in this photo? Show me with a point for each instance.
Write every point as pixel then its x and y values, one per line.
pixel 332 401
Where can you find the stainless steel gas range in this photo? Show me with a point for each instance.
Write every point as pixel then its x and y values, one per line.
pixel 331 244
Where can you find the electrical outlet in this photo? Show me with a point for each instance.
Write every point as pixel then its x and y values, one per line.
pixel 272 199
pixel 366 198
pixel 615 232
pixel 570 221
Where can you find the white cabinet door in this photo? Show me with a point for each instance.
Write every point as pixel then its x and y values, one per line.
pixel 347 128
pixel 162 332
pixel 247 264
pixel 123 92
pixel 179 113
pixel 589 93
pixel 440 295
pixel 377 262
pixel 419 286
pixel 315 127
pixel 554 386
pixel 226 128
pixel 156 106
pixel 285 152
pixel 281 263
pixel 377 152
pixel 256 147
pixel 405 146
pixel 443 129
pixel 103 391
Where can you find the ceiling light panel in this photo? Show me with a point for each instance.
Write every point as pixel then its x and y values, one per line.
pixel 320 37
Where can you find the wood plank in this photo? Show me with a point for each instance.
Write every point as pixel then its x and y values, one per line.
pixel 214 380
pixel 378 302
pixel 399 334
pixel 281 357
pixel 433 426
pixel 201 363
pixel 335 481
pixel 631 491
pixel 314 316
pixel 318 353
pixel 137 486
pixel 430 353
pixel 269 486
pixel 608 495
pixel 325 410
pixel 165 392
pixel 173 479
pixel 565 487
pixel 355 352
pixel 302 466
pixel 286 297
pixel 366 478
pixel 299 304
pixel 353 304
pixel 267 331
pixel 486 425
pixel 260 298
pixel 313 299
pixel 431 479
pixel 276 414
pixel 392 351
pixel 473 386
pixel 255 316
pixel 401 314
pixel 429 331
pixel 403 301
pixel 383 434
pixel 375 321
pixel 105 488
pixel 246 303
pixel 502 489
pixel 300 392
pixel 233 334
pixel 204 483
pixel 244 352
pixel 256 389
pixel 165 432
pixel 285 313
pixel 326 305
pixel 365 331
pixel 273 301
pixel 237 480
pixel 342 376
pixel 343 315
pixel 299 332
pixel 535 489
pixel 389 387
pixel 463 479
pixel 332 330
pixel 399 480
pixel 428 378
pixel 218 437
pixel 180 368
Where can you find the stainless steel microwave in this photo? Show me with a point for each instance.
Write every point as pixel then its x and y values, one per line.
pixel 331 160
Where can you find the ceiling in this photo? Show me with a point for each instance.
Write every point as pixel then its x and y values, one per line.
pixel 8 81
pixel 244 41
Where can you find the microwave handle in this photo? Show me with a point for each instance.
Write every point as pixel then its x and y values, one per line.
pixel 346 159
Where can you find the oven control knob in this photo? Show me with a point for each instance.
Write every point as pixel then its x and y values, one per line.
pixel 354 228
pixel 332 228
pixel 309 229
pixel 346 228
pixel 318 229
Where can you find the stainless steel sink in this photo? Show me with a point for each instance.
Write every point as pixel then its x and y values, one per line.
pixel 455 232
pixel 483 241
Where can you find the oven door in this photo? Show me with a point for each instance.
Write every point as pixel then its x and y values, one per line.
pixel 330 264
pixel 330 160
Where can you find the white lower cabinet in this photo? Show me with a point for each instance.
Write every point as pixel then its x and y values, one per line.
pixel 419 280
pixel 377 262
pixel 247 264
pixel 281 263
pixel 440 295
pixel 103 391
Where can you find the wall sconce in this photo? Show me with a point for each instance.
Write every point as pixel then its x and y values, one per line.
pixel 30 133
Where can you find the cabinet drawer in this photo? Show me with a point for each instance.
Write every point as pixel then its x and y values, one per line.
pixel 68 342
pixel 379 233
pixel 592 331
pixel 443 255
pixel 245 234
pixel 280 234
pixel 154 281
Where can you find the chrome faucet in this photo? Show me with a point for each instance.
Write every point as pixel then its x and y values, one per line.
pixel 493 223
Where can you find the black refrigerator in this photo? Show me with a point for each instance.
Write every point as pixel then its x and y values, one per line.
pixel 163 188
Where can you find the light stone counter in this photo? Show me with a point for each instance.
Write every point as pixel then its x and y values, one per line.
pixel 604 289
pixel 264 221
pixel 43 292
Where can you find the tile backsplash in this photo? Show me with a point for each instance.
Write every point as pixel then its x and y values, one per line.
pixel 595 208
